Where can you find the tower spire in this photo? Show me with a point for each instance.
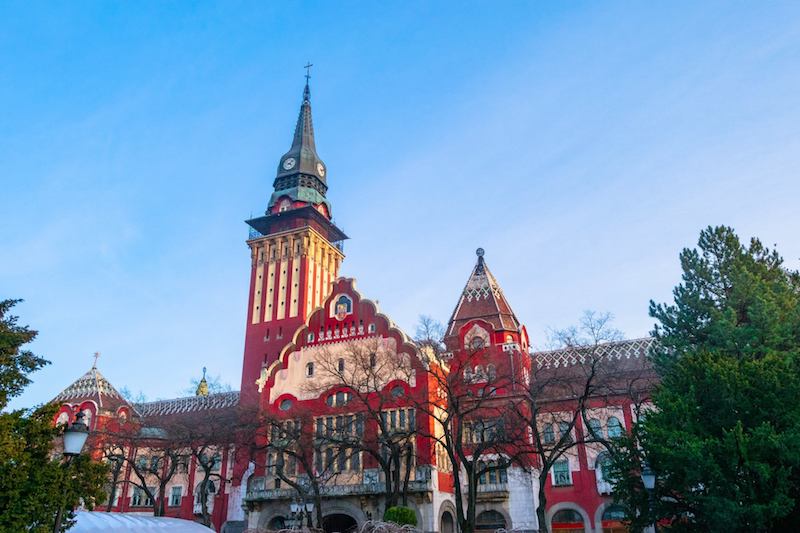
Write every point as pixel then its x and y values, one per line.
pixel 302 176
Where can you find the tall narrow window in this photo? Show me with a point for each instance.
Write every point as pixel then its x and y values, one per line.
pixel 309 369
pixel 561 474
pixel 548 435
pixel 340 365
pixel 614 427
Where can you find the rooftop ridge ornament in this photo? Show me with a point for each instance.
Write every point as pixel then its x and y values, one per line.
pixel 307 91
pixel 96 356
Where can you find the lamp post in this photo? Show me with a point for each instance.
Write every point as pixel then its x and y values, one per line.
pixel 75 437
pixel 649 482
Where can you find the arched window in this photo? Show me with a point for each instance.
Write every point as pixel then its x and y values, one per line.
pixel 567 518
pixel 309 369
pixel 62 419
pixel 479 372
pixel 615 513
pixel 467 374
pixel 285 405
pixel 602 467
pixel 548 435
pixel 490 520
pixel 491 371
pixel 614 427
pixel 595 428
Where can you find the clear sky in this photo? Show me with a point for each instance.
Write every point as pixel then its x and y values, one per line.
pixel 581 144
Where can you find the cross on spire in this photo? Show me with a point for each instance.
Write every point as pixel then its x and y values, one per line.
pixel 96 356
pixel 308 66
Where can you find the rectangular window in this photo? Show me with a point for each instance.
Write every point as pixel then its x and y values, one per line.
pixel 402 418
pixel 147 499
pixel 329 459
pixel 320 425
pixel 342 466
pixel 329 426
pixel 412 422
pixel 360 425
pixel 318 461
pixel 393 416
pixel 175 496
pixel 138 497
pixel 355 461
pixel 561 474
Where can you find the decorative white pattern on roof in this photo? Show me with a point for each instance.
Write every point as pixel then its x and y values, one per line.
pixel 188 404
pixel 90 385
pixel 564 357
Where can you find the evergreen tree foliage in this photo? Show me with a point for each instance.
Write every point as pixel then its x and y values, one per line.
pixel 724 439
pixel 33 483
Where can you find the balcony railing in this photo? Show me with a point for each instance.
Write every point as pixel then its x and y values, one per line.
pixel 493 487
pixel 257 492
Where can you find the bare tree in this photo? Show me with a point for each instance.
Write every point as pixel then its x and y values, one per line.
pixel 369 379
pixel 473 415
pixel 582 374
pixel 300 457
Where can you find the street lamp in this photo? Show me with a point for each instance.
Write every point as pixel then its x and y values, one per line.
pixel 648 477
pixel 75 437
pixel 649 482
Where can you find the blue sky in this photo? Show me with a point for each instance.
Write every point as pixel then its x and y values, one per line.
pixel 581 144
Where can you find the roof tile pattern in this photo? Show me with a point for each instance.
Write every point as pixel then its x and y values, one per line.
pixel 220 400
pixel 571 356
pixel 483 299
pixel 91 386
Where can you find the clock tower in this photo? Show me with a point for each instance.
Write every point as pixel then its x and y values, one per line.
pixel 295 253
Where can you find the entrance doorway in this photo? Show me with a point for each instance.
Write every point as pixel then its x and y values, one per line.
pixel 339 523
pixel 448 524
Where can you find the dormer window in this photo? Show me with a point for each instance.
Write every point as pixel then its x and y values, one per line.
pixel 285 205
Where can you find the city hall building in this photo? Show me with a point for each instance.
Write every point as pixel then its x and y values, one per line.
pixel 302 320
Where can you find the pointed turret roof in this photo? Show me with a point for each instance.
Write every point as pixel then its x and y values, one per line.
pixel 92 386
pixel 482 299
pixel 301 173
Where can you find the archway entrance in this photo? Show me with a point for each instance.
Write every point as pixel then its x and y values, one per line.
pixel 277 523
pixel 448 524
pixel 339 523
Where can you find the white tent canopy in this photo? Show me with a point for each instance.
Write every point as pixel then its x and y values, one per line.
pixel 95 522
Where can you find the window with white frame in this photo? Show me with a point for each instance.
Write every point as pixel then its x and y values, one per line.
pixel 548 435
pixel 595 428
pixel 561 474
pixel 309 369
pixel 175 496
pixel 564 430
pixel 614 428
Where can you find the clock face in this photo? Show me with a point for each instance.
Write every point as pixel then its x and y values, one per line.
pixel 321 169
pixel 289 163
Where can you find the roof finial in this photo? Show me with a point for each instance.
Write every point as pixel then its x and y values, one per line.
pixel 307 91
pixel 96 355
pixel 202 386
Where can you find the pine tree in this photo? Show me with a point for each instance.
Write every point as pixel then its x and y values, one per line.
pixel 724 439
pixel 33 485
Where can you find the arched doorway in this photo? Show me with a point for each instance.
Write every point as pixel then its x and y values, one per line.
pixel 339 523
pixel 277 523
pixel 490 520
pixel 447 524
pixel 567 521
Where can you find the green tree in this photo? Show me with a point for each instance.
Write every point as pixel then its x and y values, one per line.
pixel 724 438
pixel 33 484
